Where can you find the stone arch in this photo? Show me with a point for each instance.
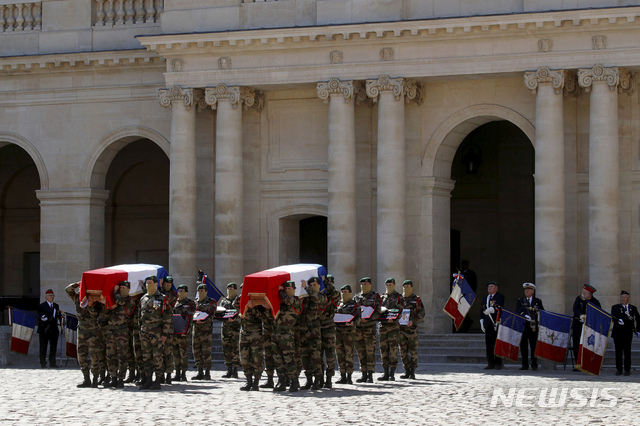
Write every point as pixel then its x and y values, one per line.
pixel 95 168
pixel 442 147
pixel 8 137
pixel 273 224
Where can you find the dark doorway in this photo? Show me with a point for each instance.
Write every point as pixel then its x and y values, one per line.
pixel 313 240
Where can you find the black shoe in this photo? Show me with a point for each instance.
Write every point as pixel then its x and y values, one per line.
pixel 370 377
pixel 86 383
pixel 317 382
pixel 385 376
pixel 392 374
pixel 207 375
pixel 627 373
pixel 412 373
pixel 199 376
pixel 524 368
pixel 109 383
pixel 94 383
pixel 406 373
pixel 132 377
pixel 143 378
pixel 101 379
pixel 256 380
pixel 349 381
pixel 248 385
pixel 235 373
pixel 295 385
pixel 183 376
pixel 155 385
pixel 363 378
pixel 53 365
pixel 534 367
pixel 167 379
pixel 146 384
pixel 327 381
pixel 343 379
pixel 619 373
pixel 309 382
pixel 229 373
pixel 490 367
pixel 120 384
pixel 281 385
pixel 176 377
pixel 268 384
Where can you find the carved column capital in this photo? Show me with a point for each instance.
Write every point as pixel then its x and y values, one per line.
pixel 544 75
pixel 176 94
pixel 611 76
pixel 413 91
pixel 385 84
pixel 335 87
pixel 627 82
pixel 236 95
pixel 571 87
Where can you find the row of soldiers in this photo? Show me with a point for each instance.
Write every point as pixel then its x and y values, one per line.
pixel 138 333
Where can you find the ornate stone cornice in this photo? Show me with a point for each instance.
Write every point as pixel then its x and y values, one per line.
pixel 176 94
pixel 611 76
pixel 199 100
pixel 544 75
pixel 385 84
pixel 335 87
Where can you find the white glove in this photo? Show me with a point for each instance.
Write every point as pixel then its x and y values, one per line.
pixel 489 311
pixel 482 325
pixel 43 317
pixel 582 318
pixel 620 321
pixel 527 317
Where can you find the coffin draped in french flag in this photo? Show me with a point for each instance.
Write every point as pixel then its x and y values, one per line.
pixel 262 287
pixel 98 284
pixel 593 340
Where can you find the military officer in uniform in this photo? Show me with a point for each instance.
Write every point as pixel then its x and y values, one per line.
pixel 389 330
pixel 579 315
pixel 251 344
pixel 230 333
pixel 282 338
pixel 203 333
pixel 528 307
pixel 488 323
pixel 183 306
pixel 118 335
pixel 172 295
pixel 625 323
pixel 408 336
pixel 366 330
pixel 310 337
pixel 346 334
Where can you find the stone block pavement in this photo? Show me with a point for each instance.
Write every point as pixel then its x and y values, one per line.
pixel 440 395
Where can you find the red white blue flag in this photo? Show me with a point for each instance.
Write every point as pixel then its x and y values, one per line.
pixel 593 340
pixel 460 300
pixel 71 335
pixel 509 335
pixel 212 291
pixel 22 325
pixel 553 336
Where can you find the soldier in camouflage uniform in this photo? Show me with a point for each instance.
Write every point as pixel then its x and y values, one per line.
pixel 251 343
pixel 136 341
pixel 182 306
pixel 230 333
pixel 328 328
pixel 118 335
pixel 366 331
pixel 389 330
pixel 310 337
pixel 346 335
pixel 269 364
pixel 203 333
pixel 155 326
pixel 170 293
pixel 86 334
pixel 103 327
pixel 408 336
pixel 282 338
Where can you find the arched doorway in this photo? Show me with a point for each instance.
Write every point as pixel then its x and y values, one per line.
pixel 303 239
pixel 137 210
pixel 492 207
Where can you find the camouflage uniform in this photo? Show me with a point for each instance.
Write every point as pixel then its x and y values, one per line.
pixel 137 339
pixel 230 335
pixel 251 343
pixel 103 335
pixel 118 336
pixel 133 327
pixel 185 306
pixel 267 330
pixel 366 332
pixel 408 337
pixel 346 336
pixel 155 323
pixel 282 339
pixel 167 348
pixel 328 329
pixel 203 334
pixel 87 334
pixel 310 337
pixel 389 331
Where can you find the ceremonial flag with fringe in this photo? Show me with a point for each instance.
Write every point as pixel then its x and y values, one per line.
pixel 509 335
pixel 553 336
pixel 22 325
pixel 71 335
pixel 593 340
pixel 212 291
pixel 460 300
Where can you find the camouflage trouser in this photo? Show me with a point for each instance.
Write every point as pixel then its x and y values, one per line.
pixel 345 338
pixel 117 352
pixel 202 335
pixel 230 335
pixel 137 347
pixel 310 345
pixel 92 340
pixel 102 348
pixel 82 348
pixel 328 348
pixel 283 348
pixel 167 357
pixel 181 351
pixel 408 340
pixel 297 352
pixel 366 346
pixel 269 364
pixel 251 347
pixel 131 354
pixel 152 352
pixel 389 344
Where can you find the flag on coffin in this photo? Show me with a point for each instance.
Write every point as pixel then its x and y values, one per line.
pixel 460 300
pixel 553 336
pixel 22 325
pixel 593 340
pixel 303 271
pixel 509 335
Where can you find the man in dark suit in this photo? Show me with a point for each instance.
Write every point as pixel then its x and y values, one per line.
pixel 528 307
pixel 579 315
pixel 491 304
pixel 625 321
pixel 48 319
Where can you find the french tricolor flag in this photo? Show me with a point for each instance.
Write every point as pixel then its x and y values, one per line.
pixel 553 336
pixel 71 335
pixel 22 325
pixel 460 300
pixel 509 335
pixel 593 340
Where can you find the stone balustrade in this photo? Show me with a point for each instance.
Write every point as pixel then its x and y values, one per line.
pixel 127 12
pixel 20 16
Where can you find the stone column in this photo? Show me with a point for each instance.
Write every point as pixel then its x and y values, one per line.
pixel 341 222
pixel 229 180
pixel 604 258
pixel 71 237
pixel 549 186
pixel 390 95
pixel 182 184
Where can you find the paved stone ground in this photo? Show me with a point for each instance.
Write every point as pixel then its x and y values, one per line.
pixel 440 395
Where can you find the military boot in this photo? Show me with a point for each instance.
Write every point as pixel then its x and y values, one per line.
pixel 385 376
pixel 176 378
pixel 120 384
pixel 281 385
pixel 256 380
pixel 248 385
pixel 155 385
pixel 183 377
pixel 229 373
pixel 207 375
pixel 349 381
pixel 234 374
pixel 370 377
pixel 146 384
pixel 392 372
pixel 322 378
pixel 317 382
pixel 161 379
pixel 167 380
pixel 309 382
pixel 102 378
pixel 108 382
pixel 269 383
pixel 94 383
pixel 132 376
pixel 199 376
pixel 406 373
pixel 295 385
pixel 143 378
pixel 363 378
pixel 343 379
pixel 87 381
pixel 327 381
pixel 412 373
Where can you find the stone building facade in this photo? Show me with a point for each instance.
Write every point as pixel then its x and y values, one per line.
pixel 207 132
